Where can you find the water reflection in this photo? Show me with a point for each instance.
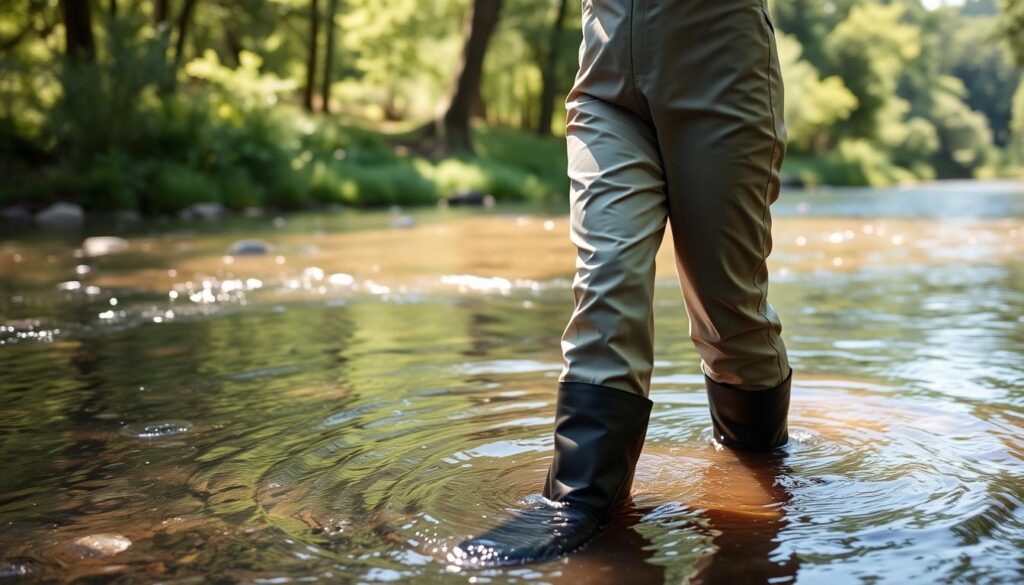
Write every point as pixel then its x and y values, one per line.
pixel 746 547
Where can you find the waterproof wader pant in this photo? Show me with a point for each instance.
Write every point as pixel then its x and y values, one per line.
pixel 675 117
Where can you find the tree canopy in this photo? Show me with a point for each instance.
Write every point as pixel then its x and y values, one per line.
pixel 152 104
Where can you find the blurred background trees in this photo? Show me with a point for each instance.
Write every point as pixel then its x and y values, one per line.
pixel 156 104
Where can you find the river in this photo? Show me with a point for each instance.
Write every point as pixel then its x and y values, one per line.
pixel 351 404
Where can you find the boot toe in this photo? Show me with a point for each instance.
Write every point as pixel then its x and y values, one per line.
pixel 533 535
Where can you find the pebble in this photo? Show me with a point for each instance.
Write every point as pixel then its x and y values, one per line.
pixel 204 211
pixel 249 248
pixel 13 569
pixel 103 245
pixel 101 545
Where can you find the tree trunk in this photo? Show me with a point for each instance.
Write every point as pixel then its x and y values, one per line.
pixel 232 43
pixel 314 25
pixel 184 20
pixel 547 92
pixel 160 13
pixel 79 43
pixel 113 7
pixel 452 127
pixel 325 84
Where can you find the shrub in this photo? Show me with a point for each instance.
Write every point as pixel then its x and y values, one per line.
pixel 175 186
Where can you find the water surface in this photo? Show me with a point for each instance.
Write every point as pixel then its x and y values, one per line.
pixel 349 406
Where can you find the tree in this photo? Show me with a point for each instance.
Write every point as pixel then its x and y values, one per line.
pixel 79 43
pixel 451 128
pixel 325 88
pixel 869 51
pixel 160 12
pixel 970 53
pixel 964 135
pixel 311 60
pixel 184 20
pixel 811 21
pixel 813 105
pixel 1012 28
pixel 547 94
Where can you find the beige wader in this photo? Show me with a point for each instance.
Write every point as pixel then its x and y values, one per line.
pixel 675 116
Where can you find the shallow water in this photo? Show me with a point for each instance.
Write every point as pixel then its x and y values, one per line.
pixel 350 405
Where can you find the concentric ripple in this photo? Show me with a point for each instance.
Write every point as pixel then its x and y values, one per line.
pixel 860 464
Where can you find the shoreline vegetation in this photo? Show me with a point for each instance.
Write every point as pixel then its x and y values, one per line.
pixel 157 108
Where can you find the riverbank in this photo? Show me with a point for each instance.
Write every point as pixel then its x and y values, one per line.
pixel 267 163
pixel 191 164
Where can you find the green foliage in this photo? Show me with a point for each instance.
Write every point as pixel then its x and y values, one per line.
pixel 964 135
pixel 971 53
pixel 857 161
pixel 876 92
pixel 104 102
pixel 1011 26
pixel 1017 128
pixel 174 185
pixel 813 105
pixel 869 51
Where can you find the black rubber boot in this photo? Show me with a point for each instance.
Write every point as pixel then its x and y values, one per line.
pixel 751 420
pixel 599 432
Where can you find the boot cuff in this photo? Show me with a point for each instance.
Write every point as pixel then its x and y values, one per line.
pixel 753 420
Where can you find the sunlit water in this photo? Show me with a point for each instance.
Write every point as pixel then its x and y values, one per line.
pixel 349 406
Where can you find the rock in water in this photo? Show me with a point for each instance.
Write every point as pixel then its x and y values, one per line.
pixel 249 248
pixel 469 198
pixel 16 214
pixel 13 570
pixel 103 245
pixel 101 545
pixel 61 215
pixel 403 222
pixel 157 429
pixel 204 211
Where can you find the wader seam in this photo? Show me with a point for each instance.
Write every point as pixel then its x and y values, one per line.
pixel 632 57
pixel 764 214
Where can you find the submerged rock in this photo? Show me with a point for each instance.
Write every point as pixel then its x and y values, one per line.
pixel 16 214
pixel 249 248
pixel 103 245
pixel 469 198
pixel 13 569
pixel 158 429
pixel 793 181
pixel 205 211
pixel 101 545
pixel 61 215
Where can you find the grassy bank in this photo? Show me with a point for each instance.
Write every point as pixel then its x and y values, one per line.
pixel 265 160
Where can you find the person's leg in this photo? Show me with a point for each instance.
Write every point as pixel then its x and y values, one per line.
pixel 718 108
pixel 618 217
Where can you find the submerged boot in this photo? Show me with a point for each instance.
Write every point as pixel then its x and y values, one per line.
pixel 751 420
pixel 599 432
